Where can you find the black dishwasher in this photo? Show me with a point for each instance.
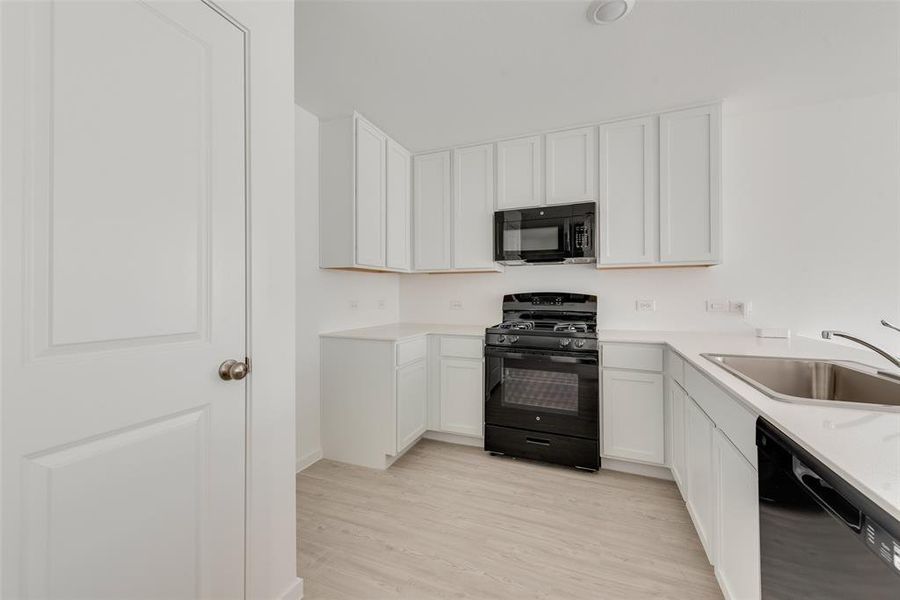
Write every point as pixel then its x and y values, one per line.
pixel 819 536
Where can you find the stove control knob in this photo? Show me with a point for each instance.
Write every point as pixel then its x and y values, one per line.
pixel 501 338
pixel 579 343
pixel 513 339
pixel 564 342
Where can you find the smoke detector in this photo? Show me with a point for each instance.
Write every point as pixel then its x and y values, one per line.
pixel 604 12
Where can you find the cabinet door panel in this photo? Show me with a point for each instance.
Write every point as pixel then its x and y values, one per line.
pixel 462 396
pixel 570 166
pixel 473 200
pixel 679 406
pixel 432 204
pixel 519 181
pixel 627 192
pixel 737 544
pixel 690 185
pixel 633 416
pixel 370 195
pixel 398 207
pixel 699 461
pixel 412 404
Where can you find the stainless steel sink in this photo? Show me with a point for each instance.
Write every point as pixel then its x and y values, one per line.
pixel 815 381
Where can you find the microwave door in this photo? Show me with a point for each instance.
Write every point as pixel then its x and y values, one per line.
pixel 534 241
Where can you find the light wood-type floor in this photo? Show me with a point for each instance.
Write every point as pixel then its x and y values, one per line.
pixel 448 521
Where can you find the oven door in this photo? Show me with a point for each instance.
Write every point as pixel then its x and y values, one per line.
pixel 520 236
pixel 552 392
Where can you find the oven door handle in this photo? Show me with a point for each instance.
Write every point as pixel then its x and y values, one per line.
pixel 558 358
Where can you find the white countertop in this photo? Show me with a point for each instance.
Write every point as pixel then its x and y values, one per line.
pixel 395 332
pixel 862 446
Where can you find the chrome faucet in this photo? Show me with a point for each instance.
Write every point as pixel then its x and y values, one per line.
pixel 828 334
pixel 890 325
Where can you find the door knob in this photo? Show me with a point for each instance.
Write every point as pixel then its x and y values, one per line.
pixel 233 370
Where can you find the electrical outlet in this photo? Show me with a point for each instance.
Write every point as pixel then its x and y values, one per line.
pixel 456 305
pixel 354 304
pixel 719 306
pixel 381 304
pixel 741 307
pixel 645 305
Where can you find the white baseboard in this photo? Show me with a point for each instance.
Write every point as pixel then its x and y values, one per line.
pixel 625 466
pixel 294 591
pixel 454 438
pixel 308 459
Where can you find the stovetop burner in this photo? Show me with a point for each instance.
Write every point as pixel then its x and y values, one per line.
pixel 518 325
pixel 562 321
pixel 571 327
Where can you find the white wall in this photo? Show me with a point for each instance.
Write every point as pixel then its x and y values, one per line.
pixel 324 297
pixel 812 236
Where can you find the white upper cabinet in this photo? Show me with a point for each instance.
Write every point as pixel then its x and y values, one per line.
pixel 571 166
pixel 519 167
pixel 432 211
pixel 473 204
pixel 628 193
pixel 690 173
pixel 370 195
pixel 364 203
pixel 398 207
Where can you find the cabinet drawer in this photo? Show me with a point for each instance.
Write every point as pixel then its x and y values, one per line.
pixel 411 350
pixel 462 347
pixel 633 356
pixel 735 421
pixel 675 367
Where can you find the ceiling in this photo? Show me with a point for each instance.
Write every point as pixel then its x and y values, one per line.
pixel 434 73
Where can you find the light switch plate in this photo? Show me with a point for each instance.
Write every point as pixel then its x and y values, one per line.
pixel 456 305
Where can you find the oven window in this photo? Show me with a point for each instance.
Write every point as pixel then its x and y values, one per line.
pixel 531 239
pixel 546 390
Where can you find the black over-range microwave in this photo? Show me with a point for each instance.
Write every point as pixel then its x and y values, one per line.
pixel 549 234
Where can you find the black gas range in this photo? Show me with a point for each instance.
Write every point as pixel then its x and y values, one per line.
pixel 542 389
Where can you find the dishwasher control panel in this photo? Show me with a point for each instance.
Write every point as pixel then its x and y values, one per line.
pixel 882 543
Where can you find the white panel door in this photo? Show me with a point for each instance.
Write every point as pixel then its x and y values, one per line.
pixel 737 544
pixel 432 206
pixel 701 484
pixel 627 192
pixel 690 166
pixel 519 173
pixel 370 195
pixel 412 403
pixel 473 202
pixel 398 206
pixel 634 416
pixel 462 396
pixel 124 289
pixel 570 166
pixel 678 400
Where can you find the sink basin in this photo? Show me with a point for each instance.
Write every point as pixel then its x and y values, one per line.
pixel 816 381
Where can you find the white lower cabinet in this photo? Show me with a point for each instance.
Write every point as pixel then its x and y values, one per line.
pixel 461 396
pixel 412 411
pixel 701 475
pixel 380 396
pixel 737 531
pixel 633 416
pixel 677 404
